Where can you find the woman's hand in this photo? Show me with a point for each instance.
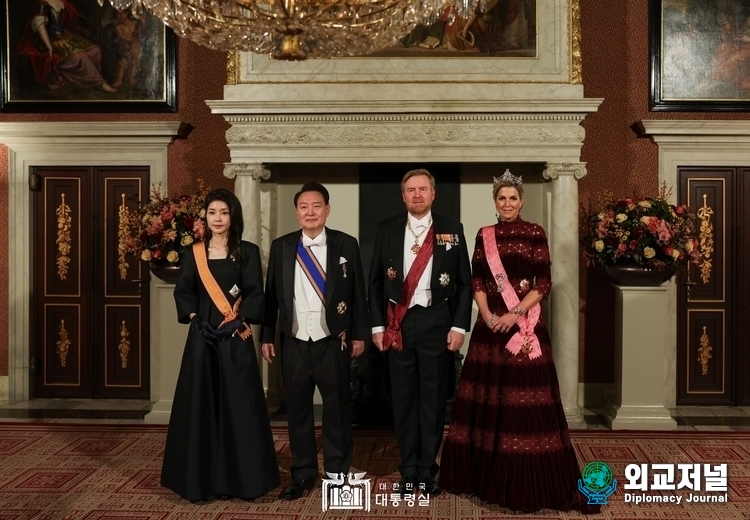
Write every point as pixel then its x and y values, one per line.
pixel 505 322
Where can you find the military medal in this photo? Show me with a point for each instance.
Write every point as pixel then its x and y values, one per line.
pixel 416 247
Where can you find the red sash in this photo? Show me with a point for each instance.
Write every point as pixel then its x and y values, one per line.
pixel 216 293
pixel 397 311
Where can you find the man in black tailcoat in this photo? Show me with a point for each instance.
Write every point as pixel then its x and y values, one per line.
pixel 420 310
pixel 315 288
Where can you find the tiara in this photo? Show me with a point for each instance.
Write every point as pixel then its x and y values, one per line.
pixel 507 176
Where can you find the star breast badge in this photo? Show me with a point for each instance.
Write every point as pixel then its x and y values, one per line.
pixel 341 307
pixel 391 273
pixel 445 279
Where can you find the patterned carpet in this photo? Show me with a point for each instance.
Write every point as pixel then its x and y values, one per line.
pixel 54 471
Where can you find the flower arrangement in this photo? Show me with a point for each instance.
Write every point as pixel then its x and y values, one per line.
pixel 164 227
pixel 647 232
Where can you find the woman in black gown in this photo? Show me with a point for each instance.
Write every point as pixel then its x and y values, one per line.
pixel 508 442
pixel 219 443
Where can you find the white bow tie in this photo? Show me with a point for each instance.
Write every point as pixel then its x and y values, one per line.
pixel 311 242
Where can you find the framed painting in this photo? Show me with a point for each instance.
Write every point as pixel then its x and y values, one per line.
pixel 77 56
pixel 491 28
pixel 700 55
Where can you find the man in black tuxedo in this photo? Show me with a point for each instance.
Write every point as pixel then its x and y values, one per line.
pixel 420 310
pixel 315 287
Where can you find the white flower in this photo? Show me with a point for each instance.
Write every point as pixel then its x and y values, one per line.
pixel 649 252
pixel 599 245
pixel 621 217
pixel 644 204
pixel 186 240
pixel 172 256
pixel 146 255
pixel 675 253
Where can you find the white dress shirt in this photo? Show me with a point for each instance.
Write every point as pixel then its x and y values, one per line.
pixel 309 317
pixel 422 294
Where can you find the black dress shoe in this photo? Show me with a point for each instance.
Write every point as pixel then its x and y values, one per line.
pixel 407 486
pixel 428 486
pixel 297 489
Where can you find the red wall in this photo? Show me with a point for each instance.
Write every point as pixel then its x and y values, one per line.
pixel 616 68
pixel 201 76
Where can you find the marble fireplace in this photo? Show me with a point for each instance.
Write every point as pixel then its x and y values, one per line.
pixel 327 114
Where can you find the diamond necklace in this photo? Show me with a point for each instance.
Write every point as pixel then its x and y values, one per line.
pixel 416 247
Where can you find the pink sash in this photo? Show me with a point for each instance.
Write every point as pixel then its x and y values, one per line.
pixel 524 340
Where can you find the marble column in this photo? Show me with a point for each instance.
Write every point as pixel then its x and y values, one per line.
pixel 256 210
pixel 247 179
pixel 563 242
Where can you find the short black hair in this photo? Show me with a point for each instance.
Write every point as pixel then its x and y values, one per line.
pixel 313 186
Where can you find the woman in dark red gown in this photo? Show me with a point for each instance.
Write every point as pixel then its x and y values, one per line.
pixel 508 442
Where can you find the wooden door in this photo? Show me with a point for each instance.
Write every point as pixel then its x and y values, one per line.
pixel 713 346
pixel 91 311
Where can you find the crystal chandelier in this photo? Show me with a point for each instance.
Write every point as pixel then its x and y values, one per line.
pixel 290 29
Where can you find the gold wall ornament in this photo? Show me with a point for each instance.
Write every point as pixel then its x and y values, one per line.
pixel 576 57
pixel 63 344
pixel 704 352
pixel 233 67
pixel 706 236
pixel 124 346
pixel 123 235
pixel 63 240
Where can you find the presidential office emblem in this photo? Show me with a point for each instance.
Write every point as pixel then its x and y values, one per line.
pixel 597 482
pixel 350 491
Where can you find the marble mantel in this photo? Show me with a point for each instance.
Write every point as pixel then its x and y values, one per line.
pixel 329 122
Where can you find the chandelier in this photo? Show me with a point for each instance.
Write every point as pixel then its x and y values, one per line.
pixel 290 29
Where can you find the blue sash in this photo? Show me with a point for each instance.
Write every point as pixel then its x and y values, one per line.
pixel 312 269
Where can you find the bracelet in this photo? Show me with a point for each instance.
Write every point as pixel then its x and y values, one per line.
pixel 519 310
pixel 491 321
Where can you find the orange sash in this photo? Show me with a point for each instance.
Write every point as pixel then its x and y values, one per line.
pixel 216 293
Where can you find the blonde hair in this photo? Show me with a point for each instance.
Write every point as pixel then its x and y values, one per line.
pixel 506 184
pixel 416 173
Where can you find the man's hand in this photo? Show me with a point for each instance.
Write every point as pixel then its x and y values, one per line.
pixel 377 338
pixel 268 351
pixel 357 346
pixel 455 340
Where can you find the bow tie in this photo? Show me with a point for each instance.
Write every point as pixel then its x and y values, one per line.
pixel 311 242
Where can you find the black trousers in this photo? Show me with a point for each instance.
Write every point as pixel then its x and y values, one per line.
pixel 305 364
pixel 421 377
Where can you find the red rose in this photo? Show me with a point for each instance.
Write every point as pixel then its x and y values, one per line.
pixel 188 222
pixel 667 250
pixel 156 254
pixel 622 247
pixel 679 210
pixel 633 245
